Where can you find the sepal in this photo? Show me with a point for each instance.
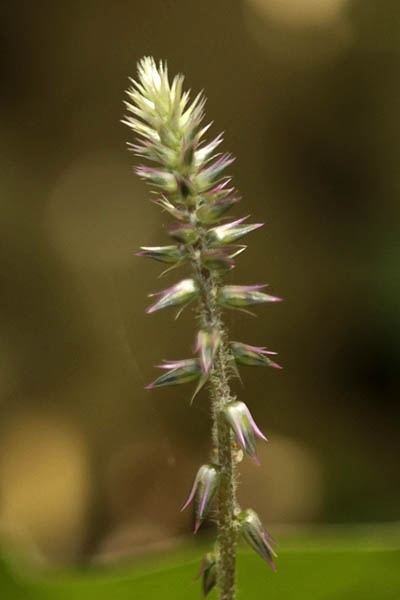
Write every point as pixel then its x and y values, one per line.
pixel 254 533
pixel 244 427
pixel 204 489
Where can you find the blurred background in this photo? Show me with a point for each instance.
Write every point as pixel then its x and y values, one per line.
pixel 93 467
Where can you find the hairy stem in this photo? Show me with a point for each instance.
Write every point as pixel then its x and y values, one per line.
pixel 210 315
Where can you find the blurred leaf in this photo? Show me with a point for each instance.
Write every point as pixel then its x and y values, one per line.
pixel 327 574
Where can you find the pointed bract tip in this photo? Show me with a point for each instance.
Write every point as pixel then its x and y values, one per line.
pixel 188 501
pixel 275 365
pixel 196 527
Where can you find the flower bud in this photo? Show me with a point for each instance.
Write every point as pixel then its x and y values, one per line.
pixel 256 536
pixel 208 570
pixel 212 212
pixel 204 489
pixel 185 234
pixel 237 296
pixel 214 260
pixel 207 344
pixel 209 174
pixel 204 153
pixel 165 204
pixel 154 152
pixel 230 232
pixel 162 179
pixel 178 371
pixel 221 259
pixel 181 293
pixel 193 115
pixel 252 356
pixel 185 187
pixel 165 254
pixel 245 429
pixel 220 190
pixel 167 136
pixel 187 152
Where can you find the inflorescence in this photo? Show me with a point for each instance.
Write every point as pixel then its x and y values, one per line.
pixel 188 177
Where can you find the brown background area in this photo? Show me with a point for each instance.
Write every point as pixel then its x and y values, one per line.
pixel 308 98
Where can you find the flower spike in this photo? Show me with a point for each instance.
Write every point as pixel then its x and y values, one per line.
pixel 187 175
pixel 204 489
pixel 244 427
pixel 256 536
pixel 182 293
